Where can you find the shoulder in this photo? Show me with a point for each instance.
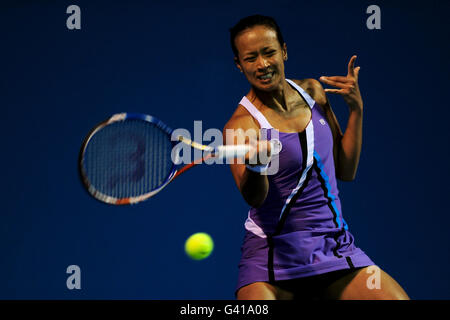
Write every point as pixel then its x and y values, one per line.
pixel 314 88
pixel 241 119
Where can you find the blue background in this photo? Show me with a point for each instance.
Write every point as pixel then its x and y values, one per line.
pixel 172 59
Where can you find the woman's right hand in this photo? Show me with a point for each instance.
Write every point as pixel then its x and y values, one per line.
pixel 260 152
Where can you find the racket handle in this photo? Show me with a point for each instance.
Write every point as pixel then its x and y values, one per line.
pixel 232 151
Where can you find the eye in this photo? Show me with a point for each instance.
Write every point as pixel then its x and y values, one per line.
pixel 250 59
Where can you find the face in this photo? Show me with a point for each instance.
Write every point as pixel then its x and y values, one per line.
pixel 261 58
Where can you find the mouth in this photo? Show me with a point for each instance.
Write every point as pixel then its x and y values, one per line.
pixel 266 77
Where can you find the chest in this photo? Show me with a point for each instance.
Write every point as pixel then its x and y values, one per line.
pixel 298 146
pixel 294 121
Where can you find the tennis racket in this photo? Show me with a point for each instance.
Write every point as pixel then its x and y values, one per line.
pixel 128 158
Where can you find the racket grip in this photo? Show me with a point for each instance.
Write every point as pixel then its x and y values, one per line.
pixel 236 151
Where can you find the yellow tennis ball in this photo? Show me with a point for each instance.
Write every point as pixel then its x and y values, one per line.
pixel 199 246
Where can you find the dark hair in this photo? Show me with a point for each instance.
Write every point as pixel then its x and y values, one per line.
pixel 251 21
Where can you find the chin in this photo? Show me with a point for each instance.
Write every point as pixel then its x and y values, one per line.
pixel 268 87
pixel 275 84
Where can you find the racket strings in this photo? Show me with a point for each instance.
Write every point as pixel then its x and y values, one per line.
pixel 128 159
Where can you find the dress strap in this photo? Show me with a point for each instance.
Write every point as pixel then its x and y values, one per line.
pixel 263 123
pixel 303 93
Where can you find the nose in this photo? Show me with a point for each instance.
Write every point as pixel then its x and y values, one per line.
pixel 262 63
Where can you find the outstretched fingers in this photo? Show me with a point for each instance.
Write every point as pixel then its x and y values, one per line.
pixel 346 86
pixel 343 84
pixel 351 66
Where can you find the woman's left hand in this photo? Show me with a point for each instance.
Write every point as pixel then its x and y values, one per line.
pixel 348 86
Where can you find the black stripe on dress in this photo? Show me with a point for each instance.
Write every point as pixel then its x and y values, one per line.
pixel 280 224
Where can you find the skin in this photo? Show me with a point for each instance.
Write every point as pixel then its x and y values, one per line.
pixel 261 53
pixel 350 287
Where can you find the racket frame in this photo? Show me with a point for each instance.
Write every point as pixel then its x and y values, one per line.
pixel 175 171
pixel 116 118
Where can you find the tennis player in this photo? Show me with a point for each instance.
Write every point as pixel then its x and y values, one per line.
pixel 297 244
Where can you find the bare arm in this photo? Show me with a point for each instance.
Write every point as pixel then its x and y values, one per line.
pixel 252 185
pixel 347 146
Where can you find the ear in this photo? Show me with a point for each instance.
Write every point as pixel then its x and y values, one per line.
pixel 284 50
pixel 238 65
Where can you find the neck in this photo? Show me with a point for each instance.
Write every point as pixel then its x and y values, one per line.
pixel 275 99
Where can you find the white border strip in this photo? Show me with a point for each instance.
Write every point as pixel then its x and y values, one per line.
pixel 309 163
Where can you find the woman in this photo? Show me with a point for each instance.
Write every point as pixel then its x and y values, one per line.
pixel 297 244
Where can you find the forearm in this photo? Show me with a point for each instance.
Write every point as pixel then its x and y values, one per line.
pixel 254 188
pixel 349 150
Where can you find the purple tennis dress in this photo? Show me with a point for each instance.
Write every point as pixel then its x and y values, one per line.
pixel 299 230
